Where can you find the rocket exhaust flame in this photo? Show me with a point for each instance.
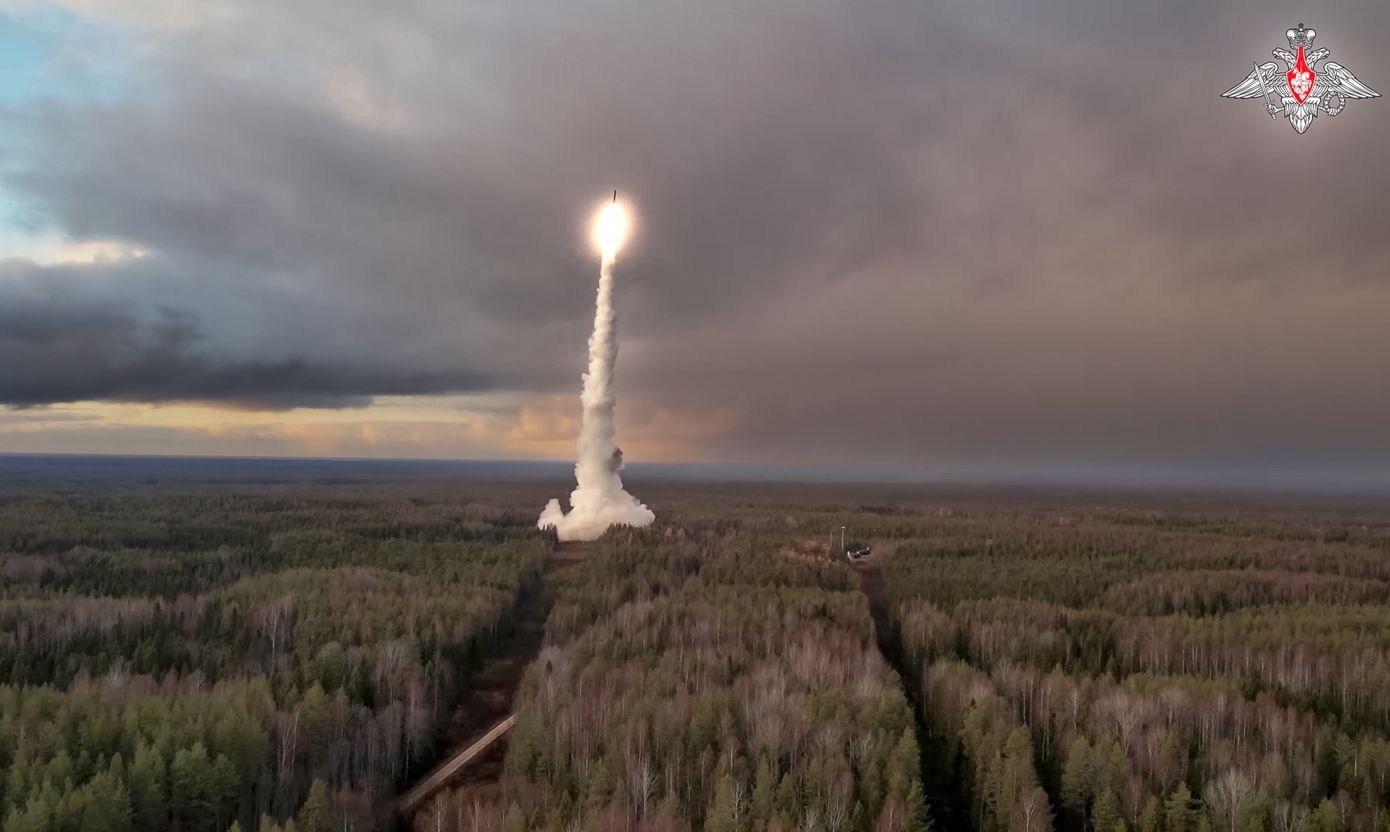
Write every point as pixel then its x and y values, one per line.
pixel 599 499
pixel 610 229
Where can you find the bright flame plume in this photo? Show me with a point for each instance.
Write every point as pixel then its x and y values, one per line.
pixel 610 229
pixel 599 499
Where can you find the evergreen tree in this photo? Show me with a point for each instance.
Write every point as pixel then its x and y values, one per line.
pixel 190 787
pixel 789 798
pixel 1076 777
pixel 600 784
pixel 1327 817
pixel 1151 817
pixel 764 791
pixel 903 764
pixel 149 798
pixel 106 805
pixel 1106 811
pixel 316 719
pixel 35 816
pixel 915 805
pixel 1114 772
pixel 1178 814
pixel 316 813
pixel 224 787
pixel 723 814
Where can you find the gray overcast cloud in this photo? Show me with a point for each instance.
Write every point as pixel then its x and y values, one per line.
pixel 970 235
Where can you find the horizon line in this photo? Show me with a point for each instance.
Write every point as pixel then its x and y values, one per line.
pixel 1036 476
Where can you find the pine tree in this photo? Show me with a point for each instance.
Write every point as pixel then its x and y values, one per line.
pixel 316 813
pixel 1106 811
pixel 119 813
pixel 1151 818
pixel 764 791
pixel 1327 818
pixel 116 768
pixel 316 719
pixel 1178 815
pixel 1114 773
pixel 149 798
pixel 917 819
pixel 104 805
pixel 1076 777
pixel 34 817
pixel 724 810
pixel 789 798
pixel 190 786
pixel 224 787
pixel 17 781
pixel 903 764
pixel 599 786
pixel 1014 776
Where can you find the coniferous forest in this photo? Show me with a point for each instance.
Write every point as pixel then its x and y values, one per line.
pixel 286 646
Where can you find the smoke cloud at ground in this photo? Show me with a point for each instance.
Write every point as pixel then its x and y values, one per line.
pixel 599 500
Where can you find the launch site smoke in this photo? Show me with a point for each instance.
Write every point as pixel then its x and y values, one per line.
pixel 599 499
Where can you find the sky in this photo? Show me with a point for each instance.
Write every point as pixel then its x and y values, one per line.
pixel 992 237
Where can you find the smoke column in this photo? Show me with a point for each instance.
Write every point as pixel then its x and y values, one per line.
pixel 599 499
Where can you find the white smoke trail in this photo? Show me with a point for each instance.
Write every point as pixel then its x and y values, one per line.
pixel 599 500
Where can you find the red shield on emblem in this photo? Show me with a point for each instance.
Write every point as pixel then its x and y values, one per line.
pixel 1301 78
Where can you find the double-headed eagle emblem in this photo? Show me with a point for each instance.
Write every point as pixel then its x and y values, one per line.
pixel 1306 88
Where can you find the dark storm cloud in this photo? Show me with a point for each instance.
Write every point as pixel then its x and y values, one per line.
pixel 448 212
pixel 883 231
pixel 59 348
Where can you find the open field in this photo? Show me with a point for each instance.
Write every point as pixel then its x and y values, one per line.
pixel 188 645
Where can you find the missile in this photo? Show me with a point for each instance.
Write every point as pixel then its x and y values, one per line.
pixel 615 197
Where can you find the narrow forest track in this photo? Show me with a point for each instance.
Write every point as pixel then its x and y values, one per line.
pixel 442 775
pixel 473 764
pixel 491 690
pixel 567 554
pixel 940 782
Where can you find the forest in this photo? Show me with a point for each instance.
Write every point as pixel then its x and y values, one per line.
pixel 292 649
pixel 1151 670
pixel 209 657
